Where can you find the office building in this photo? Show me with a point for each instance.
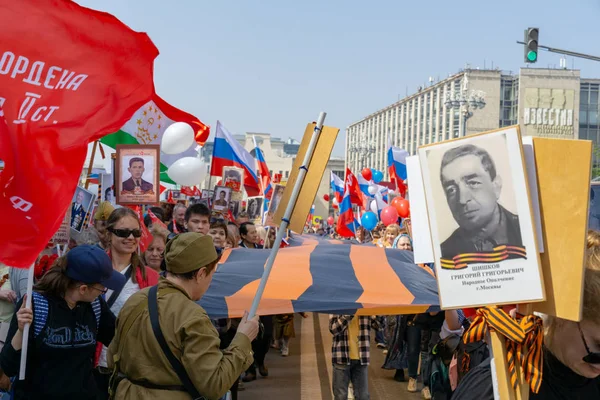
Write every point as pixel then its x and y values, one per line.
pixel 554 103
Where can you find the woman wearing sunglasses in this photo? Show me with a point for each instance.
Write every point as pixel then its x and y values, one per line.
pixel 123 236
pixel 68 317
pixel 571 349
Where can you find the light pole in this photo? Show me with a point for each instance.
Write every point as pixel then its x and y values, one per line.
pixel 362 148
pixel 461 99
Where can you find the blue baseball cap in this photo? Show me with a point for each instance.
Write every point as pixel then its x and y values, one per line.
pixel 90 264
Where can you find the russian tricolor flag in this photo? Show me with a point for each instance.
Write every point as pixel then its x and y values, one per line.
pixel 337 186
pixel 397 166
pixel 263 172
pixel 364 184
pixel 347 224
pixel 227 152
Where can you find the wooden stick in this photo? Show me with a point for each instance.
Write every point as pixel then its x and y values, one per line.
pixel 90 166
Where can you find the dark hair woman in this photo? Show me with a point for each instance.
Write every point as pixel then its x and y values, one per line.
pixel 68 316
pixel 123 236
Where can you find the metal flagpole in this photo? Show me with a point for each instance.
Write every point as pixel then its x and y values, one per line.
pixel 288 214
pixel 25 342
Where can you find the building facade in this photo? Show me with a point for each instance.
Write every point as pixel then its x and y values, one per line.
pixel 544 102
pixel 280 156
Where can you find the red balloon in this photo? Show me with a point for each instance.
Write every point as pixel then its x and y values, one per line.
pixel 326 197
pixel 367 174
pixel 404 208
pixel 330 220
pixel 389 216
pixel 335 205
pixel 396 203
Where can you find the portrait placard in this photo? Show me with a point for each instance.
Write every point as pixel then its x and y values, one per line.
pixel 254 207
pixel 234 207
pixel 221 198
pixel 233 178
pixel 274 203
pixel 108 188
pixel 81 205
pixel 63 233
pixel 482 228
pixel 137 174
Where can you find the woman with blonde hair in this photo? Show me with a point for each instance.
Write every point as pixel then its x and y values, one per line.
pixel 571 352
pixel 389 235
pixel 123 237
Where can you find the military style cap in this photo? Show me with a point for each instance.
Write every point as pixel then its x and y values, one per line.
pixel 188 252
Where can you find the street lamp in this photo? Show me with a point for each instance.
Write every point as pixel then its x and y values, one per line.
pixel 461 100
pixel 362 148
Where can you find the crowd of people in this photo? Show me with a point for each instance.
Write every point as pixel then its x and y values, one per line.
pixel 110 322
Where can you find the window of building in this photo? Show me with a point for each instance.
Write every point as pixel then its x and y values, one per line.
pixel 287 174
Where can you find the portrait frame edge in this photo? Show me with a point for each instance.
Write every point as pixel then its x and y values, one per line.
pixel 421 152
pixel 118 178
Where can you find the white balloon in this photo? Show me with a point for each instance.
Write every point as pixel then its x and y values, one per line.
pixel 335 201
pixel 178 137
pixel 374 206
pixel 373 189
pixel 187 171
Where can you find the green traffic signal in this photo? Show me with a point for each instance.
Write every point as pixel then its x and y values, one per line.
pixel 532 56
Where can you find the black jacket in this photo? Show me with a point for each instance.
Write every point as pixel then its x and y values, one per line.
pixel 60 358
pixel 558 383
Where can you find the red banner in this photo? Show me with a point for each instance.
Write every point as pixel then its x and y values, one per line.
pixel 68 76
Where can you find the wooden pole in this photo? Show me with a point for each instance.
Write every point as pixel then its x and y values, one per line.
pixel 89 171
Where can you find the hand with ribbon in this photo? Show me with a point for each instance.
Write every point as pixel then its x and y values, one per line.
pixel 523 342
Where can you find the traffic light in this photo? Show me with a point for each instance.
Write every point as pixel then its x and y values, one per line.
pixel 531 45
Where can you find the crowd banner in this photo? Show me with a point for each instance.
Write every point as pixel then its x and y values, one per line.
pixel 291 202
pixel 315 274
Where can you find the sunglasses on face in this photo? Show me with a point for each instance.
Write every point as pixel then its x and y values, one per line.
pixel 125 233
pixel 591 358
pixel 102 291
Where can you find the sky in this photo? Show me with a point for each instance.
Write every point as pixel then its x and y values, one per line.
pixel 272 65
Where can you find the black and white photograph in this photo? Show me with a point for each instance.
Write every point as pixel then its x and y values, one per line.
pixel 254 207
pixel 221 198
pixel 478 205
pixel 207 194
pixel 234 207
pixel 81 205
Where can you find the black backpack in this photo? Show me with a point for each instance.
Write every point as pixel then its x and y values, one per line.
pixel 440 358
pixel 470 355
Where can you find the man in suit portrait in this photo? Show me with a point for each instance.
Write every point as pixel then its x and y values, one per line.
pixel 472 187
pixel 222 200
pixel 77 211
pixel 135 183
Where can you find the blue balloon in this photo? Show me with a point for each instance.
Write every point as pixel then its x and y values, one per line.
pixel 377 176
pixel 369 220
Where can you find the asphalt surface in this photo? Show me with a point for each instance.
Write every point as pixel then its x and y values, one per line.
pixel 306 373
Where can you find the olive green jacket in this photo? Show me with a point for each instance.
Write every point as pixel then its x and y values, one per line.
pixel 191 337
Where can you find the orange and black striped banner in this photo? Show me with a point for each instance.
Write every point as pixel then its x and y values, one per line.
pixel 523 342
pixel 326 276
pixel 500 253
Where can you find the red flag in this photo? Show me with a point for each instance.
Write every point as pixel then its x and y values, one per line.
pixel 155 220
pixel 356 195
pixel 147 238
pixel 188 191
pixel 68 76
pixel 162 189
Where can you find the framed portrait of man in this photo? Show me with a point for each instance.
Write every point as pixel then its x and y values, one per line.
pixel 221 198
pixel 137 174
pixel 274 204
pixel 81 205
pixel 234 207
pixel 481 221
pixel 233 177
pixel 254 207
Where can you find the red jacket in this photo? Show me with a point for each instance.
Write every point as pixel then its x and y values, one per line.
pixel 151 280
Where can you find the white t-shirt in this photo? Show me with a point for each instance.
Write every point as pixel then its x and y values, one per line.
pixel 129 289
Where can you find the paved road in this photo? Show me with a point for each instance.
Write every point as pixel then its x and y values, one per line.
pixel 306 373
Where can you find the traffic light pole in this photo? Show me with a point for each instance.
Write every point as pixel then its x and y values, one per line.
pixel 566 52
